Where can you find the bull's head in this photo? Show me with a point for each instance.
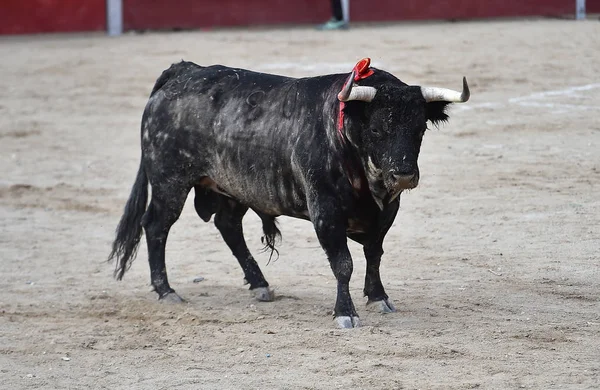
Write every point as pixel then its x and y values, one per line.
pixel 388 130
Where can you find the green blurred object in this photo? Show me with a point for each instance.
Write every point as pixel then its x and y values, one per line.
pixel 333 24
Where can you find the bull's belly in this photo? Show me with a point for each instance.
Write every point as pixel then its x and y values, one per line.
pixel 272 198
pixel 275 203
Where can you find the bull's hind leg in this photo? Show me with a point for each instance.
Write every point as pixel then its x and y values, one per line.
pixel 228 220
pixel 164 209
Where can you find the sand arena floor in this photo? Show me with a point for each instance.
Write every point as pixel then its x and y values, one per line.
pixel 493 262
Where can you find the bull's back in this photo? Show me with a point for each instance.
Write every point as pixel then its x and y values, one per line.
pixel 239 128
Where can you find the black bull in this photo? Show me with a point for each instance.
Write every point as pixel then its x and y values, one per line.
pixel 279 146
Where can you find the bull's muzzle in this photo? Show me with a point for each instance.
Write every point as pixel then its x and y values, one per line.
pixel 399 181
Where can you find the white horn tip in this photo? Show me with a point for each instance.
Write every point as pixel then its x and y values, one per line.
pixel 466 93
pixel 435 94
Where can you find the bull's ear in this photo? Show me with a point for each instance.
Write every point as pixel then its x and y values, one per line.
pixel 436 112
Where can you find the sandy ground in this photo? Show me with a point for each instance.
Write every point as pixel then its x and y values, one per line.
pixel 493 261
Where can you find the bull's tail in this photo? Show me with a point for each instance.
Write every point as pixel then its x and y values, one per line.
pixel 129 230
pixel 272 235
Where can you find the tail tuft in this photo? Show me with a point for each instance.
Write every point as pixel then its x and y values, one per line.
pixel 129 230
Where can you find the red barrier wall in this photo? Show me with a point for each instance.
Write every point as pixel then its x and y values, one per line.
pixel 36 16
pixel 157 14
pixel 465 9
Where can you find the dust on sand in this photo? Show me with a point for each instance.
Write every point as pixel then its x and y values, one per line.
pixel 493 262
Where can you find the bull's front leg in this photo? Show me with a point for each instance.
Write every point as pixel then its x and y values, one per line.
pixel 374 290
pixel 330 225
pixel 373 249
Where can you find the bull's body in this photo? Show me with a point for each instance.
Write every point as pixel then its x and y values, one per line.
pixel 258 138
pixel 274 144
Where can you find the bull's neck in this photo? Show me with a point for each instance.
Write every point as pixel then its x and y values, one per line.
pixel 349 155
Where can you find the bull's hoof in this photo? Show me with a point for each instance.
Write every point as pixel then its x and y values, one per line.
pixel 171 297
pixel 347 322
pixel 382 306
pixel 263 294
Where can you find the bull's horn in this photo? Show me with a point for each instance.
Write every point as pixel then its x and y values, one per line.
pixel 433 94
pixel 350 92
pixel 365 94
pixel 345 92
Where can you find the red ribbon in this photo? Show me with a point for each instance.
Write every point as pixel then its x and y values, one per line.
pixel 361 70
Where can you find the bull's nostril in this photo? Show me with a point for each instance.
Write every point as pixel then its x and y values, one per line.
pixel 403 177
